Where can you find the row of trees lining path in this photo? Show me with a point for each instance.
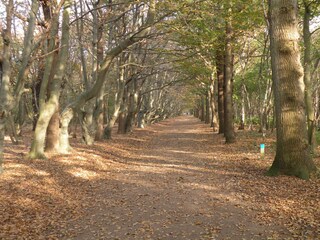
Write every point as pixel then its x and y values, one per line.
pixel 173 180
pixel 92 63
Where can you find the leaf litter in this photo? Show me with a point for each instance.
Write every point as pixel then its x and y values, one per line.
pixel 173 180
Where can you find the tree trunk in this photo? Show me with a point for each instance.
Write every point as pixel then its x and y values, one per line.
pixel 53 133
pixel 122 122
pixel 208 109
pixel 86 123
pixel 99 118
pixel 243 108
pixel 307 74
pixel 5 97
pixel 56 69
pixel 228 82
pixel 292 151
pixel 203 108
pixel 214 122
pixel 220 76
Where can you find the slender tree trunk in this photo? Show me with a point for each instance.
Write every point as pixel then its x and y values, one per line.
pixel 203 108
pixel 220 76
pixel 243 108
pixel 292 151
pixel 307 74
pixel 214 120
pixel 208 113
pixel 228 82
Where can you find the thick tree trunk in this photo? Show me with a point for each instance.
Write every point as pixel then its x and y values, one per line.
pixel 99 118
pixel 122 122
pixel 130 120
pixel 57 68
pixel 110 124
pixel 5 97
pixel 86 123
pixel 228 82
pixel 292 152
pixel 53 133
pixel 66 118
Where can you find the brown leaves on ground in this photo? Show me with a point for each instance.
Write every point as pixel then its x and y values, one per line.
pixel 173 180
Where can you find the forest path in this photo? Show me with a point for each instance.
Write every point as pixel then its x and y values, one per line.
pixel 177 181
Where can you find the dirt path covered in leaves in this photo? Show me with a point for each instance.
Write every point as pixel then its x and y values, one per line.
pixel 173 180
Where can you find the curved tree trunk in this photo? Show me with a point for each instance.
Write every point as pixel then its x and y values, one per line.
pixel 49 107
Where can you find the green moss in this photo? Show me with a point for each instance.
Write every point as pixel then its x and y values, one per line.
pixel 34 155
pixel 303 174
pixel 317 137
pixel 273 172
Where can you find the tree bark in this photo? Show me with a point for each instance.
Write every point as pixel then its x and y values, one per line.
pixel 292 151
pixel 243 108
pixel 53 132
pixel 307 74
pixel 220 78
pixel 208 109
pixel 49 107
pixel 5 95
pixel 214 121
pixel 228 82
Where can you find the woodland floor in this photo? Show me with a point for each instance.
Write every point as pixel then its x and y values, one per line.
pixel 173 180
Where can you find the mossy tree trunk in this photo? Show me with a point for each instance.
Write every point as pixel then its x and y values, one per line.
pixel 292 150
